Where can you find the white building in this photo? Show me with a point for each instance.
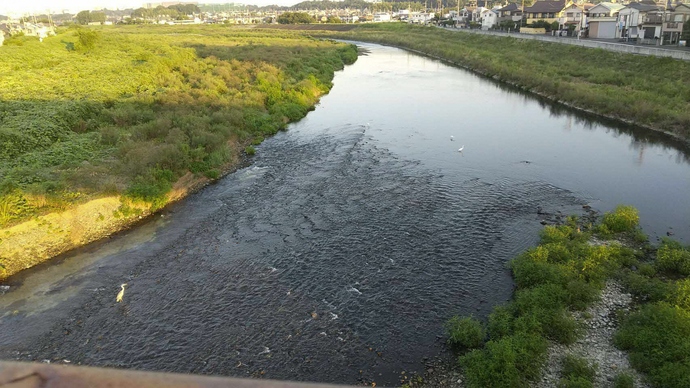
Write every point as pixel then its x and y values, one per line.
pixel 382 17
pixel 489 19
pixel 420 17
pixel 602 20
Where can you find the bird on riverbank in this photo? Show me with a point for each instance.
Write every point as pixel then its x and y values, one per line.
pixel 461 148
pixel 120 294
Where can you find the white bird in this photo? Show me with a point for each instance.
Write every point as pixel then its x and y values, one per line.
pixel 452 138
pixel 461 148
pixel 120 294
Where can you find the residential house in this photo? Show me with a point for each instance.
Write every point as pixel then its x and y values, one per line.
pixel 420 17
pixel 382 17
pixel 477 14
pixel 546 10
pixel 489 19
pixel 573 17
pixel 681 13
pixel 349 18
pixel 631 19
pixel 602 20
pixel 510 12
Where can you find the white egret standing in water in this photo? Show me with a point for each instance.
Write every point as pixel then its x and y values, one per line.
pixel 461 148
pixel 120 294
pixel 452 138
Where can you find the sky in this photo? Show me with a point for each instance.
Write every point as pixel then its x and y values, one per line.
pixel 23 6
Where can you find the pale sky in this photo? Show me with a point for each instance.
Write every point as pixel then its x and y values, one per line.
pixel 22 6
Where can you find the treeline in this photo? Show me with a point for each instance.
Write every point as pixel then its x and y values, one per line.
pixel 137 110
pixel 178 11
pixel 86 17
pixel 295 18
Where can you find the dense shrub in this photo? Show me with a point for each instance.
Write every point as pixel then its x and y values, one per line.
pixel 623 380
pixel 674 258
pixel 147 102
pixel 622 219
pixel 578 368
pixel 657 338
pixel 466 333
pixel 511 361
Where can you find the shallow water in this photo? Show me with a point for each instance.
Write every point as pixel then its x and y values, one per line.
pixel 338 254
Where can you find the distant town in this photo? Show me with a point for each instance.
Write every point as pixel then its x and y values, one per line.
pixel 644 22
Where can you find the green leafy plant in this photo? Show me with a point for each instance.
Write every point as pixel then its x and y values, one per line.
pixel 466 333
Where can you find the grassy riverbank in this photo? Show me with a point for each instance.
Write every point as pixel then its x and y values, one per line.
pixel 566 273
pixel 132 112
pixel 650 91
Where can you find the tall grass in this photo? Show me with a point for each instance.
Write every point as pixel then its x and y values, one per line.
pixel 657 335
pixel 648 90
pixel 129 110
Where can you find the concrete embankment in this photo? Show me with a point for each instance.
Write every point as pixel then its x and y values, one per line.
pixel 658 51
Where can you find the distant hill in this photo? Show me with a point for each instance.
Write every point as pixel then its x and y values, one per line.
pixel 326 4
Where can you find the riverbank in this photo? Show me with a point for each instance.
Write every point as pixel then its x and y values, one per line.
pixel 592 301
pixel 129 119
pixel 641 90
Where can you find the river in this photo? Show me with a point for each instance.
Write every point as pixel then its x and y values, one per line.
pixel 337 255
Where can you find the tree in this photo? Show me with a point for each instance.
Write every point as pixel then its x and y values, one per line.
pixel 97 17
pixel 295 18
pixel 86 17
pixel 83 17
pixel 87 39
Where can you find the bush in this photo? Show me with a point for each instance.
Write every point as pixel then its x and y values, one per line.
pixel 657 338
pixel 250 150
pixel 645 288
pixel 575 382
pixel 511 361
pixel 500 322
pixel 622 219
pixel 466 333
pixel 680 294
pixel 578 367
pixel 673 258
pixel 529 273
pixel 623 380
pixel 86 39
pixel 581 294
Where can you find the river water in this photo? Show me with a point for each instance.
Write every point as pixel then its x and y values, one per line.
pixel 339 252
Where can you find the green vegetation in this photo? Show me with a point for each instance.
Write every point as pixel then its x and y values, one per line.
pixel 465 332
pixel 566 272
pixel 657 336
pixel 577 372
pixel 647 90
pixel 130 110
pixel 623 380
pixel 295 18
pixel 86 17
pixel 176 12
pixel 563 273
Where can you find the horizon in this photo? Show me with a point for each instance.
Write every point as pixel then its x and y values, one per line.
pixel 75 6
